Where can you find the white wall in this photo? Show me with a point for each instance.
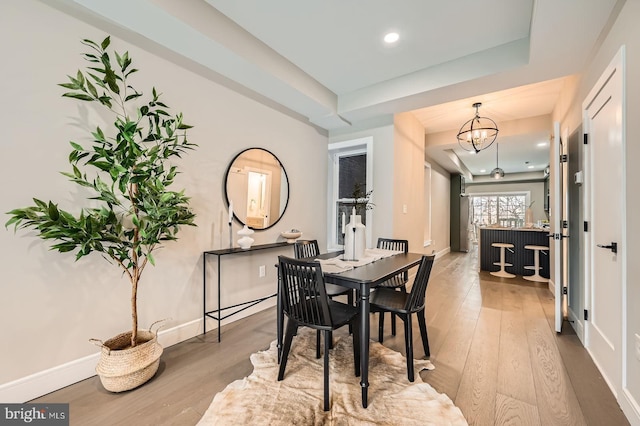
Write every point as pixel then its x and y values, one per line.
pixel 408 181
pixel 440 209
pixel 50 305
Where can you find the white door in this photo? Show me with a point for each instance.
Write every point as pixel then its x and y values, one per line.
pixel 605 245
pixel 555 213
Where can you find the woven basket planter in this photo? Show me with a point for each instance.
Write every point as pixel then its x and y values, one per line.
pixel 125 369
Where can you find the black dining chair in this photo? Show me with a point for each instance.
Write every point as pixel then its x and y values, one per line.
pixel 306 304
pixel 404 305
pixel 308 249
pixel 397 281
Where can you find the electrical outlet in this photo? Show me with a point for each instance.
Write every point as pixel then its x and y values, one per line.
pixel 404 208
pixel 262 271
pixel 638 347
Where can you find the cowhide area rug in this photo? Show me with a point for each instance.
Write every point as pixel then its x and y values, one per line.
pixel 298 399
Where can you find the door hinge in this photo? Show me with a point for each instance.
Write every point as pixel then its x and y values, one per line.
pixel 564 158
pixel 585 139
pixel 586 315
pixel 565 224
pixel 586 226
pixel 564 290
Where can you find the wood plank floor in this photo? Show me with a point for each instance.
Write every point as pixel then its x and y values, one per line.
pixel 492 342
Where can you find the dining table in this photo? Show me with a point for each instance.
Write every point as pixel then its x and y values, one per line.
pixel 363 279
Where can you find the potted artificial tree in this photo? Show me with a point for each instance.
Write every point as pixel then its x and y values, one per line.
pixel 132 210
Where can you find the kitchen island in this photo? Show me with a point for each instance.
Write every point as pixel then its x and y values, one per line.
pixel 521 257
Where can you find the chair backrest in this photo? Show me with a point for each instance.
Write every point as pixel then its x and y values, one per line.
pixel 303 292
pixel 391 244
pixel 415 301
pixel 398 245
pixel 306 248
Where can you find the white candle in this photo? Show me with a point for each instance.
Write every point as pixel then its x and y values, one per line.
pixel 230 211
pixel 354 211
pixel 344 220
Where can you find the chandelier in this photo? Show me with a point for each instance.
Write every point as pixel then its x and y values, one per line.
pixel 478 133
pixel 497 173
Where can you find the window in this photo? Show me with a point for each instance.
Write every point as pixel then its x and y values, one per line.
pixel 502 209
pixel 350 165
pixel 352 174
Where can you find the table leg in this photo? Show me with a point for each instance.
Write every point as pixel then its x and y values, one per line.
pixel 364 342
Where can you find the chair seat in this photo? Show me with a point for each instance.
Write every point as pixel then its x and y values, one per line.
pixel 341 313
pixel 336 290
pixel 394 282
pixel 391 300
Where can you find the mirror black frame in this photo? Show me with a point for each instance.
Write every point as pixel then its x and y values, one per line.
pixel 286 178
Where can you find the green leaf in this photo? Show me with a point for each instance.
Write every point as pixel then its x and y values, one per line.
pixel 89 42
pixel 76 146
pixel 106 42
pixel 80 79
pixel 72 86
pixel 135 95
pixel 92 89
pixel 40 203
pixel 53 211
pixel 80 96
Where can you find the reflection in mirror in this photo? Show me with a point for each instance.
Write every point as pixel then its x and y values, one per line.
pixel 257 185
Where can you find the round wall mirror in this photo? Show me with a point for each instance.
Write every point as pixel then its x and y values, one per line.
pixel 257 186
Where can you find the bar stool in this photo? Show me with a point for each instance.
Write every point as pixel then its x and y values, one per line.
pixel 536 263
pixel 502 273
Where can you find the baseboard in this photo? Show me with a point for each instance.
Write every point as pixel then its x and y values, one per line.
pixel 46 381
pixel 577 325
pixel 443 252
pixel 630 407
pixel 552 287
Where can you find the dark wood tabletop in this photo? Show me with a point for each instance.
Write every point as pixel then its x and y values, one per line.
pixel 375 272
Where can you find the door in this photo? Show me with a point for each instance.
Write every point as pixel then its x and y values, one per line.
pixel 603 115
pixel 555 214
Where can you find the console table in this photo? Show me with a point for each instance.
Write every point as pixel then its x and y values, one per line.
pixel 216 314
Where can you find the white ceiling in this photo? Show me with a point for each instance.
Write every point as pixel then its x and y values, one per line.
pixel 326 62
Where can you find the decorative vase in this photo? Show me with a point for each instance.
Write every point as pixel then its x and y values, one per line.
pixel 355 239
pixel 291 236
pixel 246 241
pixel 528 217
pixel 121 367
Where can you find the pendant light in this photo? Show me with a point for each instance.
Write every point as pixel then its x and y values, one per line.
pixel 478 133
pixel 497 173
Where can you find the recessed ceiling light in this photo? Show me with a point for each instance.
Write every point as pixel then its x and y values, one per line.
pixel 483 171
pixel 530 167
pixel 542 144
pixel 391 37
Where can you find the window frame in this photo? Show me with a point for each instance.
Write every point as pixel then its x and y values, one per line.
pixel 335 151
pixel 527 199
